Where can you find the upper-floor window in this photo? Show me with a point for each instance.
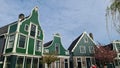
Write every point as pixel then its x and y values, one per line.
pixel 26 27
pixel 82 49
pixel 33 30
pixel 91 49
pixel 38 45
pixel 11 41
pixel 85 39
pixel 57 47
pixel 22 40
pixel 38 33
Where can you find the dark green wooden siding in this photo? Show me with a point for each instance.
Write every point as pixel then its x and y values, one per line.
pixel 31 46
pixel 13 28
pixel 20 50
pixel 9 50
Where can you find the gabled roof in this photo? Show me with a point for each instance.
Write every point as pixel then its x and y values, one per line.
pixel 74 42
pixel 48 43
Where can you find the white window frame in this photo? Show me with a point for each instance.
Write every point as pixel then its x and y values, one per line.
pixel 13 38
pixel 81 48
pixel 40 45
pixel 91 49
pixel 35 29
pixel 24 43
pixel 25 27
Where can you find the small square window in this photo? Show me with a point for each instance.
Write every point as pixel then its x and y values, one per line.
pixel 26 27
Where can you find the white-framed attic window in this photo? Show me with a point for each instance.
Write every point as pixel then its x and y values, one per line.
pixel 82 49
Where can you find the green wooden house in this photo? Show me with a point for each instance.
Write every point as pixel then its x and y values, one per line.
pixel 22 42
pixel 115 45
pixel 56 46
pixel 81 51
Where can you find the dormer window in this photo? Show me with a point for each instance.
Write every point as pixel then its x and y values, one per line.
pixel 26 27
pixel 33 30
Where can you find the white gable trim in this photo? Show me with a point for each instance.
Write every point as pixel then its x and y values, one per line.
pixel 80 40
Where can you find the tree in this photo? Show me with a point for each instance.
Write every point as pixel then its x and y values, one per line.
pixel 113 14
pixel 104 55
pixel 49 58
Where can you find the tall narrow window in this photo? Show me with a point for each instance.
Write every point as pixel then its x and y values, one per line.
pixel 22 41
pixel 33 30
pixel 66 63
pixel 57 47
pixel 11 41
pixel 19 62
pixel 38 33
pixel 82 49
pixel 35 63
pixel 38 45
pixel 28 63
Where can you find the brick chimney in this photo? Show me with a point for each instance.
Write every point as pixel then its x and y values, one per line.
pixel 91 36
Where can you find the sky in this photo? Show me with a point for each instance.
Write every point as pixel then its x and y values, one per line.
pixel 69 18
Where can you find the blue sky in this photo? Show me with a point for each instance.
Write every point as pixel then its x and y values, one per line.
pixel 68 17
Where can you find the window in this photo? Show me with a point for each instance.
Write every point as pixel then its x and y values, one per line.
pixel 57 64
pixel 35 63
pixel 66 63
pixel 33 30
pixel 11 41
pixel 22 41
pixel 26 27
pixel 85 39
pixel 91 49
pixel 57 47
pixel 19 62
pixel 38 45
pixel 28 63
pixel 7 65
pixel 82 49
pixel 38 33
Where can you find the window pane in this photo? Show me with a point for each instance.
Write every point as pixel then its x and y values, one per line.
pixel 22 41
pixel 26 27
pixel 7 62
pixel 35 62
pixel 38 45
pixel 82 49
pixel 19 62
pixel 11 41
pixel 28 63
pixel 33 30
